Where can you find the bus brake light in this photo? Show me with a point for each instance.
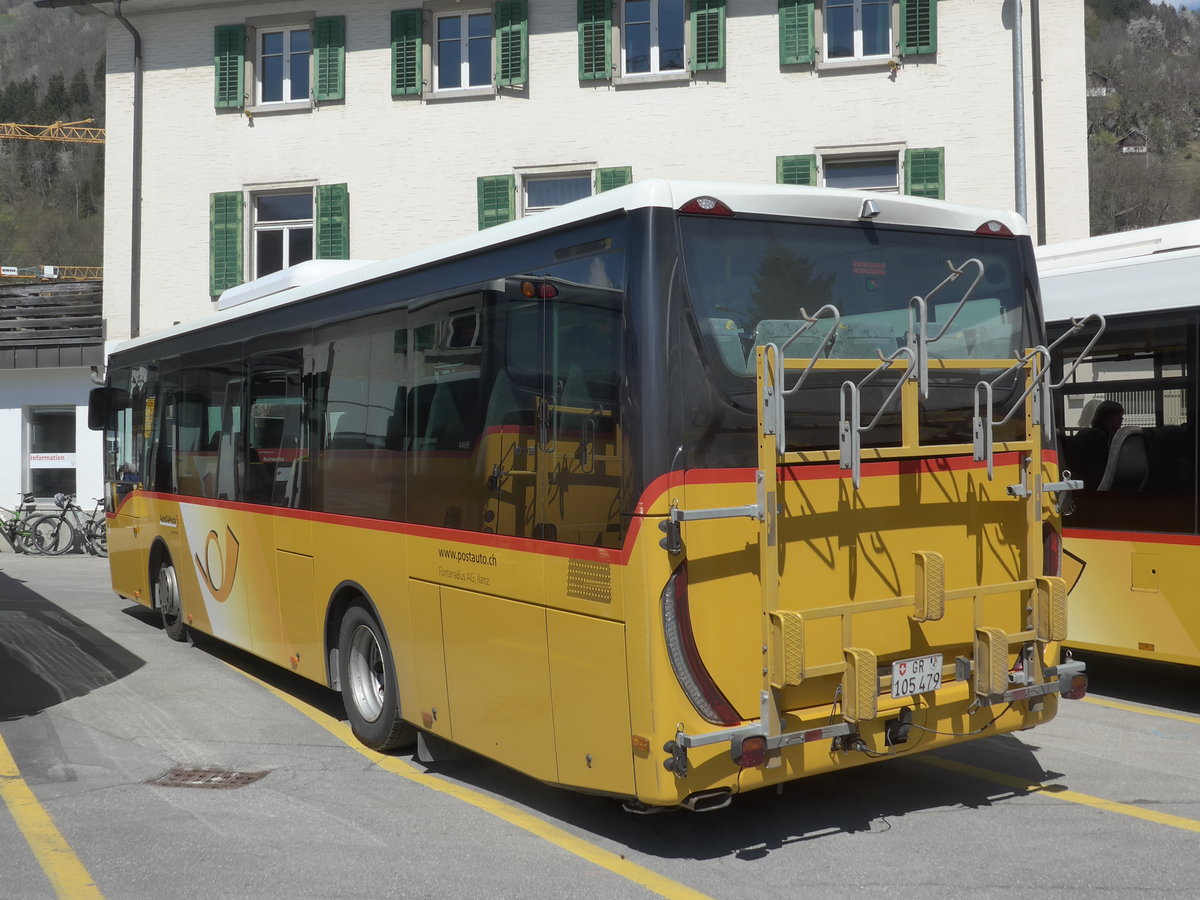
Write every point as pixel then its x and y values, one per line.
pixel 993 228
pixel 706 206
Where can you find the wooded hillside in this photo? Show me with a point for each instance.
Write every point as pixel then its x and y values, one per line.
pixel 51 193
pixel 1143 63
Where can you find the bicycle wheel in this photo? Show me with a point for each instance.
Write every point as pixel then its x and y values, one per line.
pixel 51 535
pixel 98 536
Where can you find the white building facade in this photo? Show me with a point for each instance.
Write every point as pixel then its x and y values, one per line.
pixel 271 132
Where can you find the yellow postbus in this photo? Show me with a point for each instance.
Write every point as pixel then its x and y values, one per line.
pixel 1129 417
pixel 678 491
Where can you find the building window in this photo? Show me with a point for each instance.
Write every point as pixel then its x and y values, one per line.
pixel 547 192
pixel 284 59
pixel 923 170
pixel 283 231
pixel 652 39
pixel 858 29
pixel 498 195
pixel 463 51
pixel 863 174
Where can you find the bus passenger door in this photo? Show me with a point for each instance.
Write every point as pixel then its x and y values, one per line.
pixel 213 575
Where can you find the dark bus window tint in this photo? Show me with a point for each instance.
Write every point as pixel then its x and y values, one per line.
pixel 1128 424
pixel 360 400
pixel 552 437
pixel 584 363
pixel 387 402
pixel 343 364
pixel 276 445
pixel 199 405
pixel 446 411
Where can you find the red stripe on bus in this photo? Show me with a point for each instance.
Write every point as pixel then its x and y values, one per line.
pixel 1134 537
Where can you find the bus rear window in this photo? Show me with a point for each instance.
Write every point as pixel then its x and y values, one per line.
pixel 749 280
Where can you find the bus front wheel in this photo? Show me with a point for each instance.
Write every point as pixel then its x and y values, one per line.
pixel 170 602
pixel 367 675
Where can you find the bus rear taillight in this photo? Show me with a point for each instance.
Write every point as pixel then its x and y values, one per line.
pixel 706 206
pixel 693 677
pixel 1051 550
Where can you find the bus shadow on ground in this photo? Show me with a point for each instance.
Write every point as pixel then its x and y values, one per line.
pixel 47 656
pixel 1169 685
pixel 867 800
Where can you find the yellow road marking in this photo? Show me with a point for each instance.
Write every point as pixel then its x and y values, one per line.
pixel 606 859
pixel 1050 790
pixel 66 873
pixel 1141 709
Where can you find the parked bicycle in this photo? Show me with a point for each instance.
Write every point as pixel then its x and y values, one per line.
pixel 15 524
pixel 55 533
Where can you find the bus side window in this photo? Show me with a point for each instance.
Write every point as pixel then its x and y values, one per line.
pixel 276 464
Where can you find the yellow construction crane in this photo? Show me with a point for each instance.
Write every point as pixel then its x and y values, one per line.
pixel 53 273
pixel 71 132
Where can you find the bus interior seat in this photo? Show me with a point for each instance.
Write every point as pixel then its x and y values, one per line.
pixel 728 341
pixel 1170 460
pixel 503 407
pixel 445 428
pixel 1128 461
pixel 1089 410
pixel 575 391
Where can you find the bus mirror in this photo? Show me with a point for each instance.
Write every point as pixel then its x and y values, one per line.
pixel 98 405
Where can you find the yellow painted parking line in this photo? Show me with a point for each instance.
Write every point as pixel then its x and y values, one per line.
pixel 1162 714
pixel 1050 790
pixel 66 873
pixel 605 859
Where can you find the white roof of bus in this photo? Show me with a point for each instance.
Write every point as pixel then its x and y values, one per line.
pixel 762 199
pixel 1133 271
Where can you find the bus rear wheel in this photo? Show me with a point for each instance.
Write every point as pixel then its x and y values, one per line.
pixel 367 675
pixel 169 602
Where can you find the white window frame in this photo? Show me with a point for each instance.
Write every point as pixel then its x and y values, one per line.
pixel 656 70
pixel 284 225
pixel 891 153
pixel 858 58
pixel 543 174
pixel 464 50
pixel 259 68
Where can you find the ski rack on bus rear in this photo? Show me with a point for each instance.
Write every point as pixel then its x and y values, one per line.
pixel 987 671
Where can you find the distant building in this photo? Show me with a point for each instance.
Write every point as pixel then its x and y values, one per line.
pixel 50 345
pixel 1133 141
pixel 275 131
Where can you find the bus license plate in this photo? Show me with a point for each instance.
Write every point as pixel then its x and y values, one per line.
pixel 916 675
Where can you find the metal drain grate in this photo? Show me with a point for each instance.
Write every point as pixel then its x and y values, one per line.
pixel 206 778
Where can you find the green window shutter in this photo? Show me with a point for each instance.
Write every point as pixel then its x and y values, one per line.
pixel 708 35
pixel 796 169
pixel 407 46
pixel 595 39
pixel 796 42
pixel 925 173
pixel 229 64
pixel 329 58
pixel 333 222
pixel 607 179
pixel 225 241
pixel 497 199
pixel 918 27
pixel 512 43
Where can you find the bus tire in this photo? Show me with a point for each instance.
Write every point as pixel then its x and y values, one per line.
pixel 367 675
pixel 169 601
